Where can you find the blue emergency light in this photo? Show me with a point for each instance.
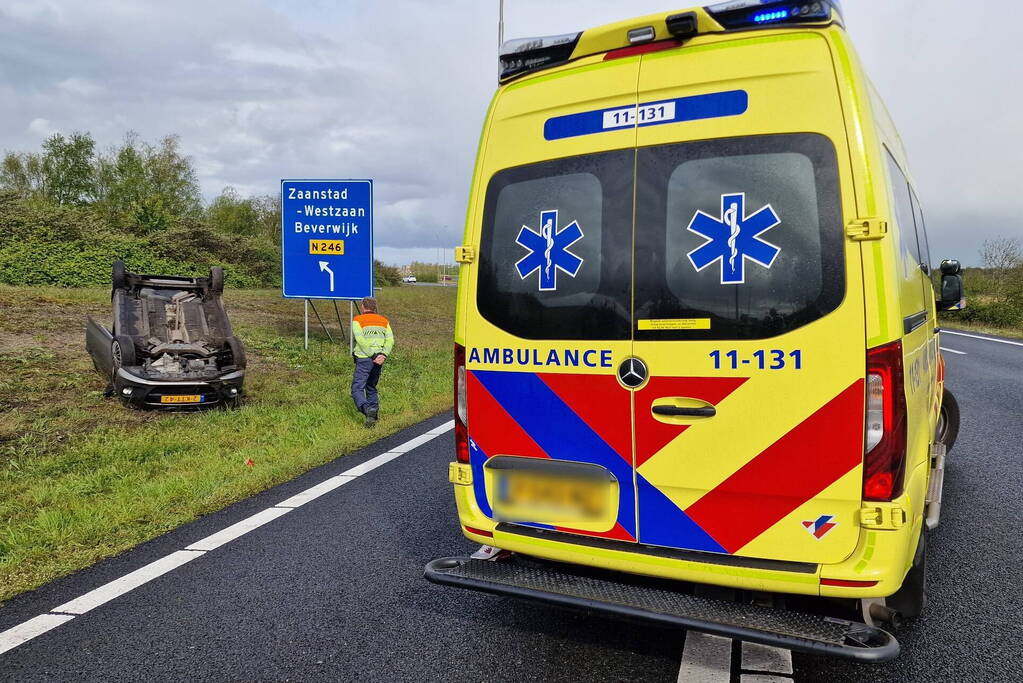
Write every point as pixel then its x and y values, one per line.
pixel 739 14
pixel 777 15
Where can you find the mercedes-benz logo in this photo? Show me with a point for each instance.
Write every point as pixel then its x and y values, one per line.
pixel 632 372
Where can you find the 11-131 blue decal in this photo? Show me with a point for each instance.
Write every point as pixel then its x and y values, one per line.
pixel 693 108
pixel 762 359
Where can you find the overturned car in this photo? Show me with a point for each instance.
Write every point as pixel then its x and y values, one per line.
pixel 171 344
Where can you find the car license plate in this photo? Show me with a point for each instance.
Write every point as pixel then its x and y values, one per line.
pixel 528 496
pixel 181 398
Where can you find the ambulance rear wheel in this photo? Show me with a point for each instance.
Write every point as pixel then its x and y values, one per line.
pixel 909 601
pixel 948 421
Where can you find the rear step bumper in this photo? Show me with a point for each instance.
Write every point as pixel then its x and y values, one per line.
pixel 753 623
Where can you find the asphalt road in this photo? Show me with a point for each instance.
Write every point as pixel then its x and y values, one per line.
pixel 971 629
pixel 333 590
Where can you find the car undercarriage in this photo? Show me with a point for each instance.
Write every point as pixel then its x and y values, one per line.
pixel 171 345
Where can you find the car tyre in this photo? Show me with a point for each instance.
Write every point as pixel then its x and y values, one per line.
pixel 119 276
pixel 122 352
pixel 217 280
pixel 947 430
pixel 237 349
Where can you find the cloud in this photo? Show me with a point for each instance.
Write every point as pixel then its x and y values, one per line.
pixel 80 87
pixel 40 127
pixel 397 92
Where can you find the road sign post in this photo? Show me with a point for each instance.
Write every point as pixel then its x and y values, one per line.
pixel 326 240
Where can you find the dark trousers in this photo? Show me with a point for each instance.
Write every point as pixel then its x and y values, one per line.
pixel 364 384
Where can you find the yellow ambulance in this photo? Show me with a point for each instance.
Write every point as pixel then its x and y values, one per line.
pixel 696 334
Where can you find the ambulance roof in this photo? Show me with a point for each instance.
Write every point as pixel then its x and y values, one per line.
pixel 644 34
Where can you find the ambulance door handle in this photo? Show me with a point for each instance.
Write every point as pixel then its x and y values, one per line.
pixel 677 411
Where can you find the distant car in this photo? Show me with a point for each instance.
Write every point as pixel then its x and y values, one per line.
pixel 409 279
pixel 171 345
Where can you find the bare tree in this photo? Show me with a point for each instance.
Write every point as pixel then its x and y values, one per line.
pixel 1003 256
pixel 1002 253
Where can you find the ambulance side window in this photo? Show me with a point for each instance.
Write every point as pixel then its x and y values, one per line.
pixel 740 238
pixel 555 252
pixel 909 243
pixel 921 232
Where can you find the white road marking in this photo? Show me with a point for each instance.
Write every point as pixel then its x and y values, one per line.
pixel 763 678
pixel 961 353
pixel 315 492
pixel 767 659
pixel 214 541
pixel 443 429
pixel 130 581
pixel 27 630
pixel 414 443
pixel 977 336
pixel 373 463
pixel 705 659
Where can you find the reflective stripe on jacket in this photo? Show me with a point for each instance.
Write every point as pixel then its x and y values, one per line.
pixel 372 335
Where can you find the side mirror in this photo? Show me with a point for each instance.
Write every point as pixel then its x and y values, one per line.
pixel 953 298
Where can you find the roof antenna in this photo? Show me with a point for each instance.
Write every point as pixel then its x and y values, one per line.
pixel 500 24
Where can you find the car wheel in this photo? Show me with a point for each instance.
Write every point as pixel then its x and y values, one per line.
pixel 947 430
pixel 119 277
pixel 217 280
pixel 122 352
pixel 237 352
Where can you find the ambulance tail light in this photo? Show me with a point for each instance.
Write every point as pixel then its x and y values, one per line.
pixel 846 583
pixel 461 408
pixel 885 459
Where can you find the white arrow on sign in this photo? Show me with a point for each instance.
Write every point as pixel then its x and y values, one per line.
pixel 324 266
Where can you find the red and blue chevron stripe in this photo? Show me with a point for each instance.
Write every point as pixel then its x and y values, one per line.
pixel 521 413
pixel 588 418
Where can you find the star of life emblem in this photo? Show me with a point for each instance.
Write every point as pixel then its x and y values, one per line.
pixel 734 238
pixel 548 250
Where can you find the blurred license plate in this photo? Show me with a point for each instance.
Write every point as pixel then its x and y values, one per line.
pixel 182 398
pixel 528 496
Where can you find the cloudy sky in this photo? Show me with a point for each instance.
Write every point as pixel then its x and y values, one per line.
pixel 396 90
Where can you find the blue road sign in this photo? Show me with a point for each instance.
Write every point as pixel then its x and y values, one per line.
pixel 327 239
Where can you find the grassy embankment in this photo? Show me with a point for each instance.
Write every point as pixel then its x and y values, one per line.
pixel 994 302
pixel 982 321
pixel 83 478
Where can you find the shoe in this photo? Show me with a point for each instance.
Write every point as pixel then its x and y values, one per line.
pixel 371 417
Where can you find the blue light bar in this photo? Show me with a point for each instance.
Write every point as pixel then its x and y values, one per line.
pixel 737 14
pixel 764 17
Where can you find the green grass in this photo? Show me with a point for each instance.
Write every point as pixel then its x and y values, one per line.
pixel 950 322
pixel 83 478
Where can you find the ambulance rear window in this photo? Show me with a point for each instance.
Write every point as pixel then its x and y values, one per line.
pixel 555 253
pixel 740 238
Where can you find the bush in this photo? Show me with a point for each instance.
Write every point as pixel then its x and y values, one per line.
pixel 385 276
pixel 67 213
pixel 994 314
pixel 426 272
pixel 71 246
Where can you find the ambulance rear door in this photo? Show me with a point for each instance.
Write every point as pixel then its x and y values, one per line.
pixel 549 316
pixel 748 306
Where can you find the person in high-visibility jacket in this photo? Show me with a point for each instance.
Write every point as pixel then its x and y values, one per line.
pixel 373 341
